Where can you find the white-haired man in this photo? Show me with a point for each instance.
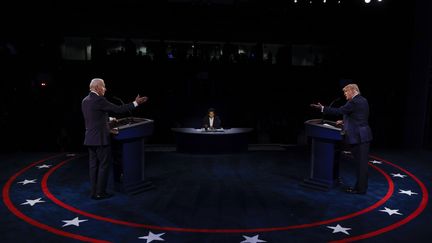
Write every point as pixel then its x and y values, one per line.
pixel 95 108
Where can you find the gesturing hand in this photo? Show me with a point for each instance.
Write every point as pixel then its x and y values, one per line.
pixel 140 99
pixel 318 106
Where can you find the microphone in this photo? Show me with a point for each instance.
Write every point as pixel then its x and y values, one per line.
pixel 118 99
pixel 130 119
pixel 331 103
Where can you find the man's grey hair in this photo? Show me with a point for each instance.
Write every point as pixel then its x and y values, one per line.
pixel 95 82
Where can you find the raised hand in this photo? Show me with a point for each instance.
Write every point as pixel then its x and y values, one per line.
pixel 141 99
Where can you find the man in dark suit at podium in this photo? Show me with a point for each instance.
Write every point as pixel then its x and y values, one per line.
pixel 357 133
pixel 95 108
pixel 211 120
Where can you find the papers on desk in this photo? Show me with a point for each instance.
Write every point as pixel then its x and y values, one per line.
pixel 211 130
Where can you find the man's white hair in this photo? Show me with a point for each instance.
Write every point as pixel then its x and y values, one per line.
pixel 95 83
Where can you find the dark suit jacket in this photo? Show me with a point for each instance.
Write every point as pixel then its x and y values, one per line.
pixel 95 110
pixel 216 122
pixel 355 117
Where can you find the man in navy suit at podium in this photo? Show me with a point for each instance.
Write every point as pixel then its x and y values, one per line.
pixel 95 108
pixel 357 133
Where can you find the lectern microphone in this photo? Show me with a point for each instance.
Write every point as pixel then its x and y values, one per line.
pixel 117 98
pixel 121 101
pixel 331 103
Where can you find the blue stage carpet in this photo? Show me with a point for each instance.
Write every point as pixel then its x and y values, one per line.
pixel 247 197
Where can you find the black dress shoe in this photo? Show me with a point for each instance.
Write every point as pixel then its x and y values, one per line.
pixel 354 191
pixel 102 196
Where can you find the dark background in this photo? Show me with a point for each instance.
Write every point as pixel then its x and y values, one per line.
pixel 382 46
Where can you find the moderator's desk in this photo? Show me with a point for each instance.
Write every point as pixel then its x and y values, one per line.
pixel 192 140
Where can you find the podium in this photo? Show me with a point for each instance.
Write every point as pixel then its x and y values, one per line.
pixel 129 135
pixel 217 141
pixel 325 136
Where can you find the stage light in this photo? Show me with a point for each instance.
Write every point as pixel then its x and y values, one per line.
pixel 295 1
pixel 367 1
pixel 43 84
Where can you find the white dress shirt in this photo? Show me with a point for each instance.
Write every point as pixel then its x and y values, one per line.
pixel 211 119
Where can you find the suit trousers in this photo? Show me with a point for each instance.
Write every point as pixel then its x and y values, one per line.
pixel 99 166
pixel 360 154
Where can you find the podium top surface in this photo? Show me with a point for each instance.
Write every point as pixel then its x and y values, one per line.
pixel 212 132
pixel 129 122
pixel 323 123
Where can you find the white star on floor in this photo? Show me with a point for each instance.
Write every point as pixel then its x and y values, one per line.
pixel 253 239
pixel 43 166
pixel 376 162
pixel 398 175
pixel 338 228
pixel 25 182
pixel 76 221
pixel 390 211
pixel 151 237
pixel 33 202
pixel 408 192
